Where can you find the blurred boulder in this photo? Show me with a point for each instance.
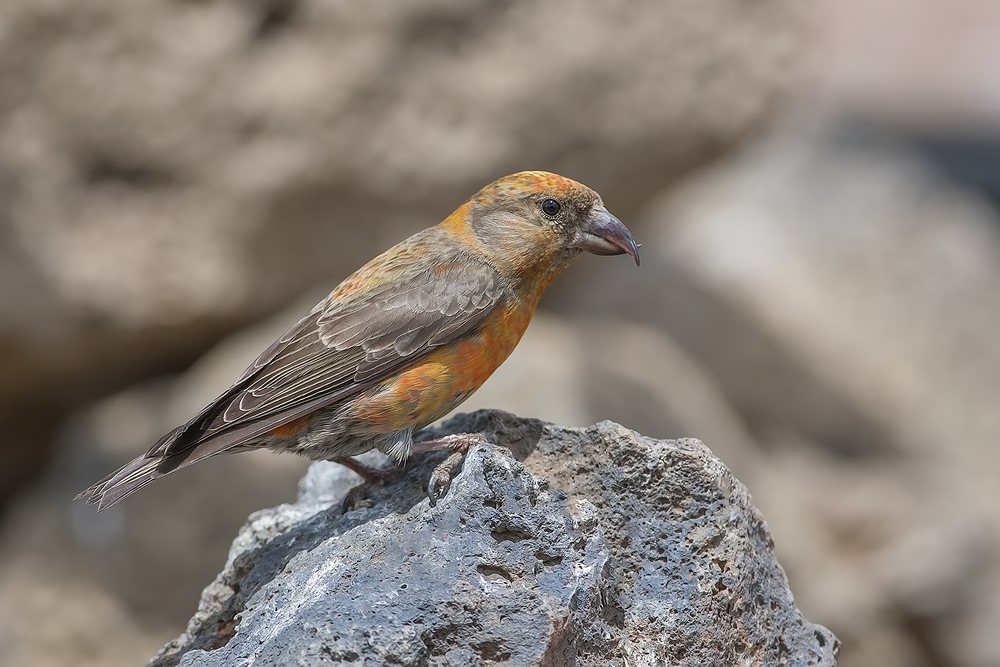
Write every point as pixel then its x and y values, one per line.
pixel 172 170
pixel 880 281
pixel 637 552
pixel 578 370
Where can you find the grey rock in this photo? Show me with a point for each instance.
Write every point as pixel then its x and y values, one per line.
pixel 558 546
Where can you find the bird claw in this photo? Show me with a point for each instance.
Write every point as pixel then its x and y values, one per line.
pixel 458 444
pixel 441 476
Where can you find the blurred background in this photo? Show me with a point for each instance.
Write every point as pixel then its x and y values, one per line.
pixel 816 186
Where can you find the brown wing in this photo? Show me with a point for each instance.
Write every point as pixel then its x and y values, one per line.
pixel 341 348
pixel 337 350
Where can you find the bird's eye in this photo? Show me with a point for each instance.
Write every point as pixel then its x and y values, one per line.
pixel 551 207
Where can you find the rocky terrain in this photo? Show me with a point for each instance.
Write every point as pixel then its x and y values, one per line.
pixel 179 181
pixel 631 551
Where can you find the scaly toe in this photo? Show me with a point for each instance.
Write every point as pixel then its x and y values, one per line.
pixel 441 476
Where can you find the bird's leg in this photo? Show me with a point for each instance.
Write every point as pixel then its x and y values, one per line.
pixel 373 477
pixel 458 444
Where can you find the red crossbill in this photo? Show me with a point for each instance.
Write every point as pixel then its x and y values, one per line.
pixel 400 342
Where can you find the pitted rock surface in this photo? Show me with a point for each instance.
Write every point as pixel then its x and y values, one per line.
pixel 587 546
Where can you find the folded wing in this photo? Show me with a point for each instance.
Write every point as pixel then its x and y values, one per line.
pixel 340 348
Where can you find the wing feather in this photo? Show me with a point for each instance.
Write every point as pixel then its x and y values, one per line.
pixel 343 346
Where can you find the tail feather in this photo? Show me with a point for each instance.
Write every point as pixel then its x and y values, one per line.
pixel 139 472
pixel 152 465
pixel 122 483
pixel 157 462
pixel 131 477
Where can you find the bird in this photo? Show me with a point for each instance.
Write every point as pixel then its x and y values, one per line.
pixel 400 342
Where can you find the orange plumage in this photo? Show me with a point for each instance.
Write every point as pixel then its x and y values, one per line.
pixel 403 340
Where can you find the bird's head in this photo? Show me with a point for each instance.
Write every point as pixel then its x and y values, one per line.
pixel 540 218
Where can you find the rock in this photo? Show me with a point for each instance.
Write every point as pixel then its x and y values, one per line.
pixel 170 171
pixel 880 279
pixel 589 546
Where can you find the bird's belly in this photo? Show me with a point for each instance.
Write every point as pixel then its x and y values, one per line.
pixel 442 379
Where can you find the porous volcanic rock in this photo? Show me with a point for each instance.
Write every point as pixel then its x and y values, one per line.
pixel 557 546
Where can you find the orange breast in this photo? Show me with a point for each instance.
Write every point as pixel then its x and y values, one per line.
pixel 445 377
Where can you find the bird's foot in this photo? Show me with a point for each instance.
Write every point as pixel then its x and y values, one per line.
pixel 458 444
pixel 357 498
